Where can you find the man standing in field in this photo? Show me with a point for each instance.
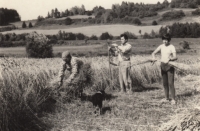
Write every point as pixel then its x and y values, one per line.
pixel 70 63
pixel 168 53
pixel 124 63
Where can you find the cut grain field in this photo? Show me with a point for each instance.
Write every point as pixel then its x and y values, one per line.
pixel 24 83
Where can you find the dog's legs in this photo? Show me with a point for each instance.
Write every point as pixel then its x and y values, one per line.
pixel 100 111
pixel 96 113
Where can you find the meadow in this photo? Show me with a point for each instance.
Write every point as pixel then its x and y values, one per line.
pixel 99 47
pixel 26 83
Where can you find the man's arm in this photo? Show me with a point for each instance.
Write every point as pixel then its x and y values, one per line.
pixel 74 71
pixel 113 48
pixel 124 49
pixel 61 72
pixel 173 57
pixel 156 51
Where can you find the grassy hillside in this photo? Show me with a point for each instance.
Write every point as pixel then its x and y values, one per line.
pixel 188 17
pixel 145 21
pixel 97 30
pixel 19 24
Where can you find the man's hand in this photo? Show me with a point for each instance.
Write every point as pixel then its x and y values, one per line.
pixel 109 48
pixel 60 83
pixel 153 61
pixel 68 82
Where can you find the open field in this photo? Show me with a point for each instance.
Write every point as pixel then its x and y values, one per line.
pixel 188 18
pixel 97 30
pixel 140 46
pixel 185 10
pixel 24 81
pixel 77 17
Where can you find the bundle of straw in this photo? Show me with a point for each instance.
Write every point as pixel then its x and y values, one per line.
pixel 34 36
pixel 186 120
pixel 180 65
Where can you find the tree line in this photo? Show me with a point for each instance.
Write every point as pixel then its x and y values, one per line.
pixel 185 3
pixel 182 30
pixel 55 13
pixel 118 10
pixel 8 15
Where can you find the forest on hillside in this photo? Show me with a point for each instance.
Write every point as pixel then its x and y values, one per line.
pixel 8 15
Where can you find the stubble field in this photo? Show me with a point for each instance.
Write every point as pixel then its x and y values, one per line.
pixel 24 82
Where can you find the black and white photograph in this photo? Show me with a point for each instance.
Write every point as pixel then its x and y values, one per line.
pixel 100 65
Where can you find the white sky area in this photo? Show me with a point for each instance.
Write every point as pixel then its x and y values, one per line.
pixel 31 9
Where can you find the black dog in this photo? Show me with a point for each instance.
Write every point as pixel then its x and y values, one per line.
pixel 97 100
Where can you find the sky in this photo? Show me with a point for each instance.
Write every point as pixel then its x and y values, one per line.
pixel 31 9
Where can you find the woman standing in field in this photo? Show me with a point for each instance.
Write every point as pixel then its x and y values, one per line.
pixel 168 53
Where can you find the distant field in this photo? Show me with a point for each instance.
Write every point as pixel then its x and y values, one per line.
pixel 76 50
pixel 19 24
pixel 185 10
pixel 140 47
pixel 77 17
pixel 97 30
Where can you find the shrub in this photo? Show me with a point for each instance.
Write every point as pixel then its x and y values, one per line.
pixel 130 35
pixel 89 13
pixel 23 25
pixel 105 36
pixel 184 44
pixel 146 36
pixel 196 12
pixel 80 36
pixel 92 21
pixel 128 19
pixel 6 44
pixel 93 37
pixel 154 23
pixel 68 21
pixel 70 36
pixel 137 21
pixel 38 46
pixel 173 15
pixel 30 25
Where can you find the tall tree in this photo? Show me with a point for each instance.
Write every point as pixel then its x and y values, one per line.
pixel 52 13
pixel 23 25
pixel 8 15
pixel 48 15
pixel 30 25
pixel 56 13
pixel 67 12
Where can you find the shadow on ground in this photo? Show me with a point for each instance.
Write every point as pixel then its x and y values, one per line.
pixel 188 94
pixel 107 96
pixel 144 88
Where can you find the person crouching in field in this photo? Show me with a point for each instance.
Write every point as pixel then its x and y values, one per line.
pixel 124 63
pixel 168 53
pixel 72 64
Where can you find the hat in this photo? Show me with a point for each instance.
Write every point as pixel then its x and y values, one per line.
pixel 66 54
pixel 166 37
